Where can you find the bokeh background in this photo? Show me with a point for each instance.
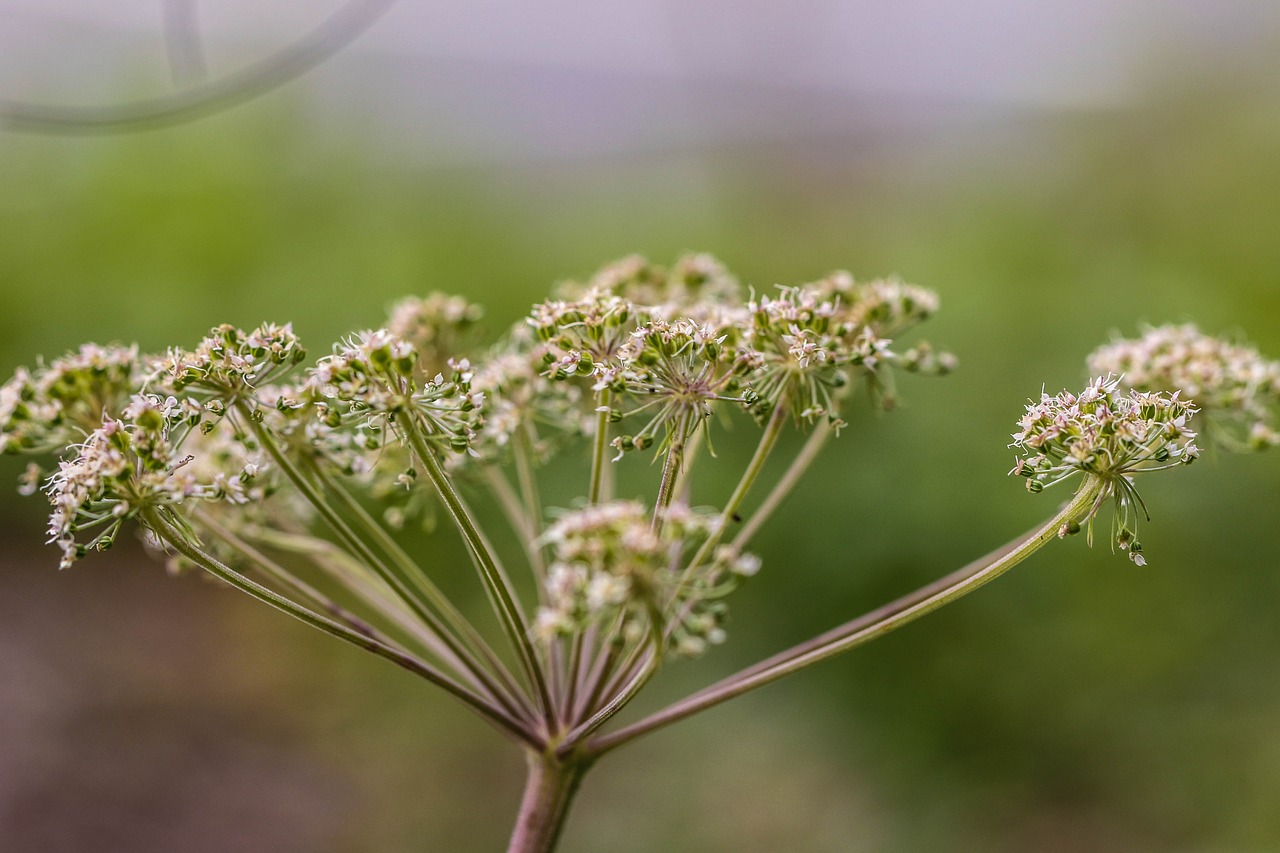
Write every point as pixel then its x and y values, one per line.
pixel 1058 174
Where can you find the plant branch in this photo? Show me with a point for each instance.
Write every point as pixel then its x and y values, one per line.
pixel 868 627
pixel 497 716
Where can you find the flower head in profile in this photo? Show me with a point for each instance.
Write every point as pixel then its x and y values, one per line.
pixel 611 562
pixel 149 458
pixel 60 403
pixel 1237 389
pixel 814 340
pixel 1109 435
pixel 229 363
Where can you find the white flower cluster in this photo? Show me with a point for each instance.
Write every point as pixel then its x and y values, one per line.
pixel 1234 386
pixel 229 362
pixel 372 379
pixel 670 344
pixel 60 403
pixel 1109 434
pixel 137 462
pixel 611 561
pixel 437 325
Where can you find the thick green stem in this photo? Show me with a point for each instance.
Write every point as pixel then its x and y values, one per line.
pixel 176 539
pixel 497 585
pixel 868 627
pixel 548 794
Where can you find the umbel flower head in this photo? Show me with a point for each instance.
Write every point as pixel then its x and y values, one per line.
pixel 1233 385
pixel 60 403
pixel 612 562
pixel 1109 435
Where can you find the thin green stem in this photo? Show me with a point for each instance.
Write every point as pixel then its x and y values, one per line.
pixel 528 480
pixel 622 697
pixel 497 585
pixel 368 588
pixel 176 539
pixel 601 441
pixel 283 576
pixel 812 447
pixel 867 627
pixel 768 439
pixel 670 473
pixel 517 517
pixel 409 568
pixel 361 549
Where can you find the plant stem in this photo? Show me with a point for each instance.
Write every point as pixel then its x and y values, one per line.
pixel 769 438
pixel 548 793
pixel 353 576
pixel 598 447
pixel 817 440
pixel 364 552
pixel 524 459
pixel 519 520
pixel 670 473
pixel 496 584
pixel 495 715
pixel 868 627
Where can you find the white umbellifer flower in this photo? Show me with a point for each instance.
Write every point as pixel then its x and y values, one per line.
pixel 1105 433
pixel 229 362
pixel 1235 387
pixel 611 561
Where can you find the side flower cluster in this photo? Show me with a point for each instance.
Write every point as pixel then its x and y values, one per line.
pixel 1108 434
pixel 611 562
pixel 1234 386
pixel 137 463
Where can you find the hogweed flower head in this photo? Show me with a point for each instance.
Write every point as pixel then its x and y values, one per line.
pixel 372 380
pixel 610 563
pixel 675 372
pixel 1107 434
pixel 62 402
pixel 141 461
pixel 229 362
pixel 439 327
pixel 1235 387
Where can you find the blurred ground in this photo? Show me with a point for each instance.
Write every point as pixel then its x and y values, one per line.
pixel 1080 703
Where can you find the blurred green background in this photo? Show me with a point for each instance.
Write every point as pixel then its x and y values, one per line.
pixel 1079 704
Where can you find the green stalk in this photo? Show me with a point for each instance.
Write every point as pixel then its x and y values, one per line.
pixel 363 552
pixel 622 697
pixel 670 472
pixel 496 584
pixel 769 438
pixel 409 569
pixel 598 447
pixel 812 447
pixel 368 588
pixel 528 481
pixel 868 627
pixel 283 576
pixel 548 793
pixel 495 715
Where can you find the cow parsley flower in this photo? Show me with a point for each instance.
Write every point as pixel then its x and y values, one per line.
pixel 1234 386
pixel 610 562
pixel 1108 434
